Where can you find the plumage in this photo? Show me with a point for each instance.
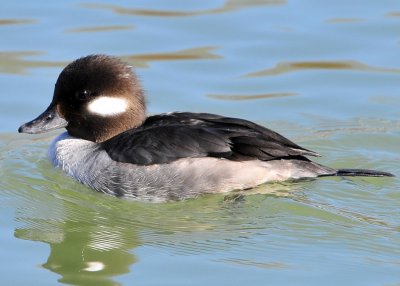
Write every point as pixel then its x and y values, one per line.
pixel 165 138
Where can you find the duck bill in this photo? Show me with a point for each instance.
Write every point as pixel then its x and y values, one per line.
pixel 49 120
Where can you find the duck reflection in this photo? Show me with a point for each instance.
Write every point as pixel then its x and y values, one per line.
pixel 84 252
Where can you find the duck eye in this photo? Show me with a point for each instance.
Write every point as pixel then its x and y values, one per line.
pixel 82 94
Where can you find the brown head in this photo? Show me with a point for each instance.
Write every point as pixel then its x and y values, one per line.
pixel 95 98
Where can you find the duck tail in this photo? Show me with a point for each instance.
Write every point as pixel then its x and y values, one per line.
pixel 362 172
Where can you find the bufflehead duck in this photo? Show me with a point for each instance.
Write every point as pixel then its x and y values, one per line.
pixel 112 146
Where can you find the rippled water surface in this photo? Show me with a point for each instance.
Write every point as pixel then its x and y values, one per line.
pixel 323 73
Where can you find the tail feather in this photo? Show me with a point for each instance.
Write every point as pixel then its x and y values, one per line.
pixel 362 172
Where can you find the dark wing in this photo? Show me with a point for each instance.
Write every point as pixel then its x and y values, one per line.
pixel 168 137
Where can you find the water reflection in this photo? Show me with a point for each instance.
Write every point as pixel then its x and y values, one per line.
pixel 332 127
pixel 393 14
pixel 228 6
pixel 16 21
pixel 287 67
pixel 16 62
pixel 143 60
pixel 250 96
pixel 258 264
pixel 91 243
pixel 85 253
pixel 100 29
pixel 344 20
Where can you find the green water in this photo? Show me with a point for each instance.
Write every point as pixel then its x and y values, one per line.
pixel 326 74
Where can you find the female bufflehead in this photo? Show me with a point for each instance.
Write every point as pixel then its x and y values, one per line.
pixel 113 147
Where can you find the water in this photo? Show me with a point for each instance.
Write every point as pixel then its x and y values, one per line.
pixel 325 74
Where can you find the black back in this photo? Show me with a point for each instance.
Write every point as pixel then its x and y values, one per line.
pixel 168 137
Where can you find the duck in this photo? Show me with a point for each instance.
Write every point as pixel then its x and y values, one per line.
pixel 112 146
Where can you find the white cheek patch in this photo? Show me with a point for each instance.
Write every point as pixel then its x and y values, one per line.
pixel 107 106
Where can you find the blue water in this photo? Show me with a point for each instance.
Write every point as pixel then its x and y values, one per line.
pixel 326 74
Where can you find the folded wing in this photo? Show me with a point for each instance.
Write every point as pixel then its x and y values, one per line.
pixel 168 137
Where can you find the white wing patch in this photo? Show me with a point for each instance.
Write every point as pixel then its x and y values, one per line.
pixel 107 106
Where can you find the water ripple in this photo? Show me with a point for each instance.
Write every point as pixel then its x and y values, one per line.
pixel 395 14
pixel 16 21
pixel 287 67
pixel 16 62
pixel 258 264
pixel 229 6
pixel 100 29
pixel 240 97
pixel 344 20
pixel 200 53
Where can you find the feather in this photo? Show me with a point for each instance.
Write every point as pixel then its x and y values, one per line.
pixel 165 138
